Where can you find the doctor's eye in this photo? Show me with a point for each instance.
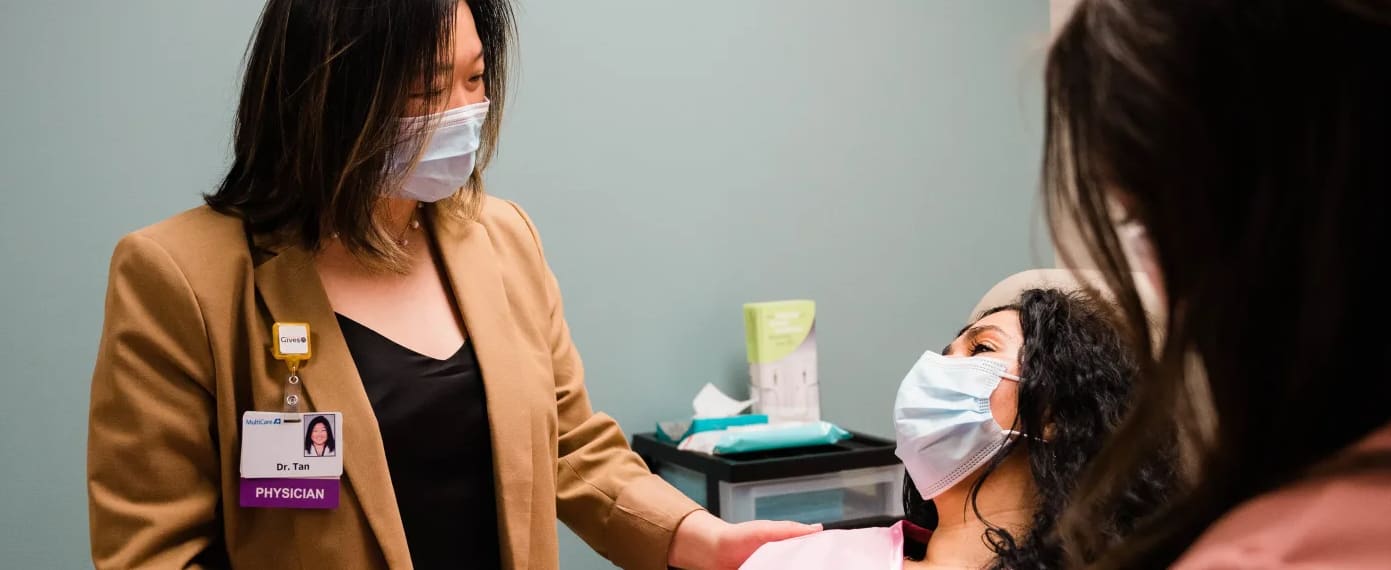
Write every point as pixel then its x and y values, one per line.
pixel 431 94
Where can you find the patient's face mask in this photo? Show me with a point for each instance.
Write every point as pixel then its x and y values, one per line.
pixel 448 158
pixel 942 419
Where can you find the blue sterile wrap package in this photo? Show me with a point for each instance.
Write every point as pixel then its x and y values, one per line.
pixel 762 437
pixel 675 431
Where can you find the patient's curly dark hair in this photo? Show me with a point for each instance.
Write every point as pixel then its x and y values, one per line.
pixel 1077 371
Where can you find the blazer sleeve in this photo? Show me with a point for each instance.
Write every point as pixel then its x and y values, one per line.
pixel 152 456
pixel 604 492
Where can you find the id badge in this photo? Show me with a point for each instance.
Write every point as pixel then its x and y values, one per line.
pixel 290 460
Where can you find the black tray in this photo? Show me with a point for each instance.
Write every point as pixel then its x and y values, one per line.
pixel 858 452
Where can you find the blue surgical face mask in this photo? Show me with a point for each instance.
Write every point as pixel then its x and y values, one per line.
pixel 942 419
pixel 448 158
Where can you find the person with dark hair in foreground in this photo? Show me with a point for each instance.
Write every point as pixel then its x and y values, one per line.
pixel 1238 152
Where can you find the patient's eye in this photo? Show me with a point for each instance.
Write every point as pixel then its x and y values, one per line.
pixel 980 347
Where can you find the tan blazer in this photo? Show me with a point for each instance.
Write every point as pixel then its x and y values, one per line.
pixel 185 350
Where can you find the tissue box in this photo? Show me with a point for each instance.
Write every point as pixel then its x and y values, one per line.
pixel 781 342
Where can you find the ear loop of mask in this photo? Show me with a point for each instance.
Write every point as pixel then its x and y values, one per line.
pixel 1010 432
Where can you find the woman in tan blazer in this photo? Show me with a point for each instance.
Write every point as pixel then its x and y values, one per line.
pixel 353 204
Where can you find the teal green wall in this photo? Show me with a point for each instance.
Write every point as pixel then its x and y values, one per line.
pixel 680 159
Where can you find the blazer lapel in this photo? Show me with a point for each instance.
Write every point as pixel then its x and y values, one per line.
pixel 474 273
pixel 289 285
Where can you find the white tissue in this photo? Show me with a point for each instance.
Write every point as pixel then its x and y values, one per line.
pixel 712 403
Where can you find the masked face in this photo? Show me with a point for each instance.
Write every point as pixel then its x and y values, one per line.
pixel 447 160
pixel 953 410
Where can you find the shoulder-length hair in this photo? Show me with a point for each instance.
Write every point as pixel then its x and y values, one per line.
pixel 1250 142
pixel 325 85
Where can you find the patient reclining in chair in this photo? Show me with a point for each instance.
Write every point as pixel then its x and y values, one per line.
pixel 994 433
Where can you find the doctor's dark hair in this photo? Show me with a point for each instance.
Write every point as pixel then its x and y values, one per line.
pixel 1078 371
pixel 1251 141
pixel 325 85
pixel 331 444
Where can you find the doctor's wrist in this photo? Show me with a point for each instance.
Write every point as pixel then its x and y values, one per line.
pixel 695 540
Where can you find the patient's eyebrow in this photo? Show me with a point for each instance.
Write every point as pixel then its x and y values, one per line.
pixel 972 333
pixel 975 332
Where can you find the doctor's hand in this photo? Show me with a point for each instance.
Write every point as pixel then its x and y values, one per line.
pixel 704 542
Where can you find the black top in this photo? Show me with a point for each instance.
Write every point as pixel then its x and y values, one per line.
pixel 433 417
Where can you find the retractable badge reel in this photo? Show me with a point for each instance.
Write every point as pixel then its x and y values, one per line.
pixel 291 346
pixel 291 458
